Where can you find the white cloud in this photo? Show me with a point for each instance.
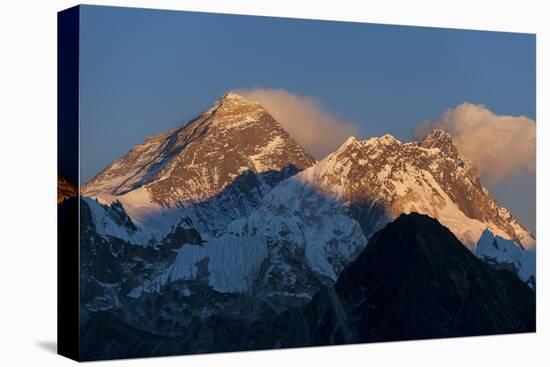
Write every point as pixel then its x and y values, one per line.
pixel 498 145
pixel 304 118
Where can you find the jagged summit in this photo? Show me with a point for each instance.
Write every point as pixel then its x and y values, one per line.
pixel 436 139
pixel 350 142
pixel 428 176
pixel 441 140
pixel 437 135
pixel 387 139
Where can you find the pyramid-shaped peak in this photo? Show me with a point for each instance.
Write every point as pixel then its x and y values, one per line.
pixel 234 102
pixel 236 98
pixel 349 141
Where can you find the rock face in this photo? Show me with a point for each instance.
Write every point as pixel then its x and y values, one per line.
pixel 217 166
pixel 414 280
pixel 428 176
pixel 111 265
pixel 65 189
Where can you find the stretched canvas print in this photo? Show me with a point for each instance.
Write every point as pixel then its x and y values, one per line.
pixel 232 183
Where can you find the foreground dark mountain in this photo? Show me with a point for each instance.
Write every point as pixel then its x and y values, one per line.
pixel 414 280
pixel 433 288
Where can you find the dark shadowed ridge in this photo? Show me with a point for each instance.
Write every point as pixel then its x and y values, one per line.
pixel 416 280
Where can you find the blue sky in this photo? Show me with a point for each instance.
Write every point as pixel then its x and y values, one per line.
pixel 144 72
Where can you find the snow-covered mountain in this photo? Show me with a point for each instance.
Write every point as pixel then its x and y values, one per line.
pixel 210 171
pixel 316 222
pixel 428 176
pixel 506 253
pixel 229 216
pixel 329 210
pixel 171 197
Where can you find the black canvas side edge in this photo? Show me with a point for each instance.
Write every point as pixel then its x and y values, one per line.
pixel 68 299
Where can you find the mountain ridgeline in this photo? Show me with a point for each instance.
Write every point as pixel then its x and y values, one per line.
pixel 227 220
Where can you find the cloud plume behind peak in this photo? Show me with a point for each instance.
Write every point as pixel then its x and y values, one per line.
pixel 304 118
pixel 499 145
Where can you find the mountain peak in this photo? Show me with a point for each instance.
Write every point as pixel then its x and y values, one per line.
pixel 385 140
pixel 438 139
pixel 234 102
pixel 351 141
pixel 233 94
pixel 428 176
pixel 203 160
pixel 234 97
pixel 388 139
